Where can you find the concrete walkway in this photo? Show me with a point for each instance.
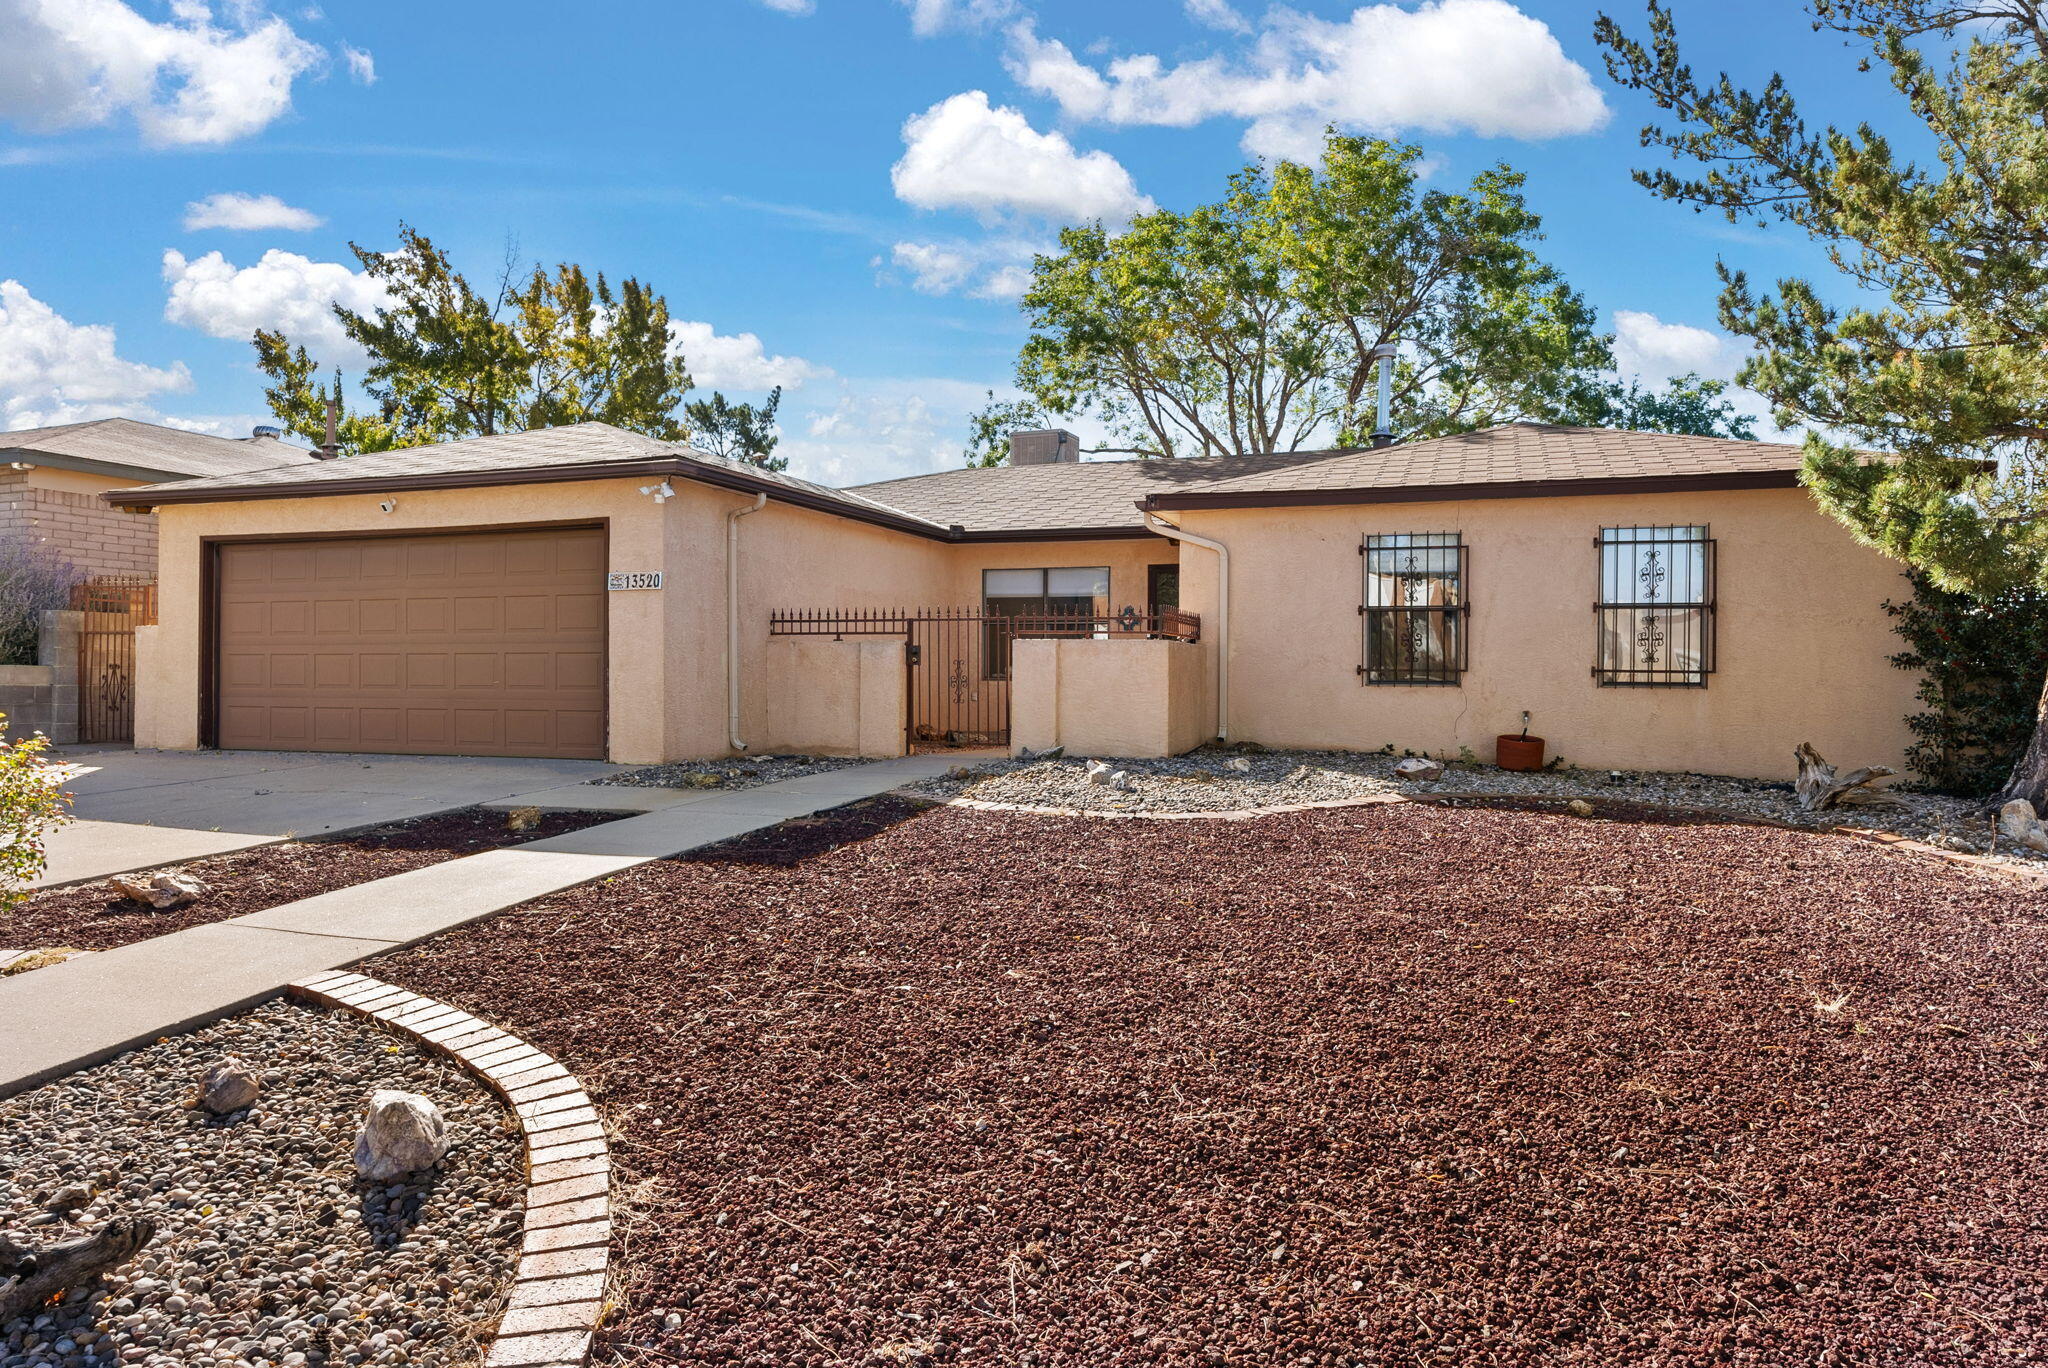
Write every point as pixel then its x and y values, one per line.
pixel 69 1016
pixel 138 809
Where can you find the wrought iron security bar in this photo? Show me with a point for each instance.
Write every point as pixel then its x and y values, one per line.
pixel 1167 623
pixel 110 608
pixel 1654 608
pixel 1413 608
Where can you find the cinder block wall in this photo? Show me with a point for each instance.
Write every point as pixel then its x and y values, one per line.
pixel 84 529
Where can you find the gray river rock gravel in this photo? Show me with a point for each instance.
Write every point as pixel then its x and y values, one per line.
pixel 1221 780
pixel 271 1253
pixel 726 776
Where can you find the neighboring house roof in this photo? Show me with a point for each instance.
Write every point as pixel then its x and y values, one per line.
pixel 133 450
pixel 1065 499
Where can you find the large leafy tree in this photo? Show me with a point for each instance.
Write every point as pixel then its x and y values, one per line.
pixel 1249 324
pixel 540 349
pixel 1937 350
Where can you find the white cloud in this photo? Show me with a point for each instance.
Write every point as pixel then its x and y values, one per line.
pixel 283 291
pixel 248 213
pixel 995 269
pixel 877 429
pixel 56 371
pixel 738 362
pixel 1646 346
pixel 362 67
pixel 191 79
pixel 931 17
pixel 796 7
pixel 880 428
pixel 1003 283
pixel 962 154
pixel 934 270
pixel 1447 66
pixel 1217 14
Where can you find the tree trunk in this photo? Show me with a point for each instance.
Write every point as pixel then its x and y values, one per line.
pixel 37 1275
pixel 2030 772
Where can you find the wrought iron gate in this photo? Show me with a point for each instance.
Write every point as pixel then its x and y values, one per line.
pixel 111 609
pixel 957 686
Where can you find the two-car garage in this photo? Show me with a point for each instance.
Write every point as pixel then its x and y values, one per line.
pixel 461 643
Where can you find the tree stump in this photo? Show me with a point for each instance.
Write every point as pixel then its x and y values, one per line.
pixel 30 1278
pixel 1820 788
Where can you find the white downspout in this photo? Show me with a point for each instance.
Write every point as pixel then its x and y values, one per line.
pixel 732 619
pixel 1160 525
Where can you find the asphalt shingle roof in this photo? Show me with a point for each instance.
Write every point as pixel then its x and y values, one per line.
pixel 1090 496
pixel 580 444
pixel 1086 494
pixel 1517 453
pixel 149 449
pixel 1102 494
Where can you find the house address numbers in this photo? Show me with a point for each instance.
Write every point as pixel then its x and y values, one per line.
pixel 644 580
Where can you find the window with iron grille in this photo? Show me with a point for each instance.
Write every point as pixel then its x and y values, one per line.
pixel 1414 608
pixel 1654 620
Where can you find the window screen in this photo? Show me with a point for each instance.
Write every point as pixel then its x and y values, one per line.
pixel 1654 619
pixel 1414 608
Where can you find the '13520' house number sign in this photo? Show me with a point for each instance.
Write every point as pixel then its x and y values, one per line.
pixel 633 581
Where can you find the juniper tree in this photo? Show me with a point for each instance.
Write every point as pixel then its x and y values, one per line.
pixel 1935 347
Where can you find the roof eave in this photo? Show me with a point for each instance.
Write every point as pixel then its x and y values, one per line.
pixel 1497 489
pixel 88 466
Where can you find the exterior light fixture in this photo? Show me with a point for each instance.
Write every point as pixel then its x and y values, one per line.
pixel 661 492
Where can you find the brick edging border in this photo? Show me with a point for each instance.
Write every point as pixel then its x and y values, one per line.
pixel 1887 840
pixel 557 1295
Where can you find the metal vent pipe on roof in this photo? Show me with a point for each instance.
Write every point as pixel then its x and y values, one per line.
pixel 1383 425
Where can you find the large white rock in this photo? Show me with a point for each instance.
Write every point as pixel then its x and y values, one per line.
pixel 2018 821
pixel 402 1133
pixel 229 1086
pixel 1419 769
pixel 162 890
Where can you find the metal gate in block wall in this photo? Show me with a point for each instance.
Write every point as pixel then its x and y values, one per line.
pixel 957 660
pixel 110 609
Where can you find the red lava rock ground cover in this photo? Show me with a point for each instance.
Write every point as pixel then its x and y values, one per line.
pixel 1389 1085
pixel 94 917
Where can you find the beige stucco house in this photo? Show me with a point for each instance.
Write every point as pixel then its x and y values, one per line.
pixel 1648 600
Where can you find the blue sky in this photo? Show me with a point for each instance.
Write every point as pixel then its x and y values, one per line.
pixel 834 194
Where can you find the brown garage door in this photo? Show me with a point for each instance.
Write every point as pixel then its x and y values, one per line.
pixel 461 644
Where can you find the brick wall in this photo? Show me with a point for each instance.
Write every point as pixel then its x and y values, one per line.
pixel 95 537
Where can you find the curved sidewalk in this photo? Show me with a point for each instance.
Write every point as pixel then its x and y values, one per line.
pixel 74 1014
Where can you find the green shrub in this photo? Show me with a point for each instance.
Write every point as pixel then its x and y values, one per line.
pixel 31 805
pixel 1981 663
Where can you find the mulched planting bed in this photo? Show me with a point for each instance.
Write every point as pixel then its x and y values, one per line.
pixel 270 1250
pixel 1388 1085
pixel 95 917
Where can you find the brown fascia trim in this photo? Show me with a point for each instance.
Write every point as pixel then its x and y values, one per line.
pixel 142 501
pixel 1453 493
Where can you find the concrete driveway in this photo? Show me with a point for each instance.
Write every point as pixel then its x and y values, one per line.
pixel 139 809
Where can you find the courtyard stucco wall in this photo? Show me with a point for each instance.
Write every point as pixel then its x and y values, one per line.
pixel 818 696
pixel 1131 698
pixel 1803 638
